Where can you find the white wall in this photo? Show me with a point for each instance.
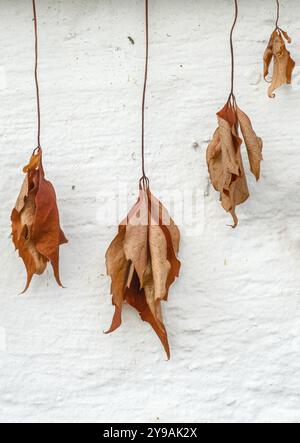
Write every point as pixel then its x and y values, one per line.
pixel 234 316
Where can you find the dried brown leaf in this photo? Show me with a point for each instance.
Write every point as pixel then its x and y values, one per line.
pixel 159 212
pixel 135 242
pixel 253 143
pixel 283 64
pixel 159 261
pixel 118 269
pixel 142 263
pixel 137 299
pixel 36 231
pixel 224 158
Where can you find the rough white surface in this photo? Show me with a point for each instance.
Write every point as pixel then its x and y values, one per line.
pixel 234 316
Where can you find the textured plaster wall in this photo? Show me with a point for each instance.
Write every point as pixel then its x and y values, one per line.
pixel 234 316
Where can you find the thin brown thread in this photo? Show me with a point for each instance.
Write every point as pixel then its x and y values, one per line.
pixel 278 14
pixel 144 180
pixel 36 76
pixel 277 29
pixel 231 95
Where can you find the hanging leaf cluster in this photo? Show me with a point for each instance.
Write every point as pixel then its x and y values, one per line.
pixel 36 231
pixel 283 64
pixel 224 157
pixel 142 260
pixel 142 263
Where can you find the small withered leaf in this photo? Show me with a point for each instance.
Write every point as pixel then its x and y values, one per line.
pixel 283 64
pixel 149 289
pixel 158 211
pixel 22 196
pixel 142 263
pixel 137 300
pixel 135 242
pixel 224 158
pixel 36 232
pixel 253 143
pixel 117 268
pixel 159 261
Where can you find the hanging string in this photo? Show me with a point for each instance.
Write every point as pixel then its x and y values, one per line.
pixel 278 14
pixel 144 181
pixel 231 95
pixel 36 77
pixel 278 30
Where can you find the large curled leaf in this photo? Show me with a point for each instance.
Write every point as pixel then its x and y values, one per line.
pixel 36 231
pixel 283 64
pixel 224 158
pixel 142 263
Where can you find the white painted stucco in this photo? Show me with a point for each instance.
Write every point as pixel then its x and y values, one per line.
pixel 233 317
